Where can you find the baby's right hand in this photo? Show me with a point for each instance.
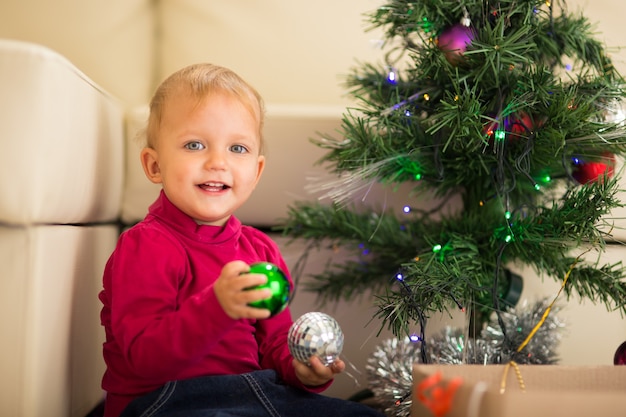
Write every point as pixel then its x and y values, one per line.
pixel 232 289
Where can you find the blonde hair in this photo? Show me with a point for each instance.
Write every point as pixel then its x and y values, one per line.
pixel 201 80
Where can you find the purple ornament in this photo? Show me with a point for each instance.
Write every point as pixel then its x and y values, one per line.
pixel 453 41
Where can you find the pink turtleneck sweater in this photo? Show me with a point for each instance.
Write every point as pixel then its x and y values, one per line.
pixel 160 314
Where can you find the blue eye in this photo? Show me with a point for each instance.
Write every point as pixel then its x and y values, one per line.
pixel 194 146
pixel 239 149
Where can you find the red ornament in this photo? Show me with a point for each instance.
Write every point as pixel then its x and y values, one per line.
pixel 586 172
pixel 454 40
pixel 521 124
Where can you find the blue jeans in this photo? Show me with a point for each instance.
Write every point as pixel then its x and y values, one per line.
pixel 256 394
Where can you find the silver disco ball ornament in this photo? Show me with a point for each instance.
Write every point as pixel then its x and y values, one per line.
pixel 315 334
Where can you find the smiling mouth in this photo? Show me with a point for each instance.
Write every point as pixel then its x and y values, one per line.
pixel 214 186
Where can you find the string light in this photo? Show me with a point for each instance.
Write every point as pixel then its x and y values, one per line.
pixel 426 25
pixel 481 203
pixel 572 105
pixel 392 76
pixel 442 250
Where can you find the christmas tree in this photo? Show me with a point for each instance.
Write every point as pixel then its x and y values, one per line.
pixel 513 108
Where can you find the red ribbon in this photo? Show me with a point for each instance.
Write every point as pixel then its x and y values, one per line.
pixel 436 395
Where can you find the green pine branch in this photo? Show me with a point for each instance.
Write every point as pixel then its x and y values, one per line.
pixel 500 127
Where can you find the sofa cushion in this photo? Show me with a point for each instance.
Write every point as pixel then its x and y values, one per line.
pixel 61 141
pixel 51 341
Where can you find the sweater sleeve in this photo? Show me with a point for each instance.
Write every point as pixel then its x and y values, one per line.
pixel 272 333
pixel 158 334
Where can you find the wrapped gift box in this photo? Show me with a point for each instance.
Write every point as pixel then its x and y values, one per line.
pixel 518 391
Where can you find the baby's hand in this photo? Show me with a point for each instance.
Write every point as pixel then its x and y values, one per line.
pixel 233 293
pixel 317 373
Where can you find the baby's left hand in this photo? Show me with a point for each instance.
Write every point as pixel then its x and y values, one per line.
pixel 317 373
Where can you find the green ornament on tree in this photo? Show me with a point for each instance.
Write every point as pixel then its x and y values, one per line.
pixel 277 283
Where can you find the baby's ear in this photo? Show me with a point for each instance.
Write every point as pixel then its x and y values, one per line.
pixel 260 168
pixel 150 163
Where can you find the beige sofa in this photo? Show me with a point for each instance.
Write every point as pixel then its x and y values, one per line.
pixel 61 153
pixel 75 78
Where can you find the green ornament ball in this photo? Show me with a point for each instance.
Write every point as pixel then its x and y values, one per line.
pixel 277 282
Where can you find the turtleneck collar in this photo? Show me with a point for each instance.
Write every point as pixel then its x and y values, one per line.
pixel 168 213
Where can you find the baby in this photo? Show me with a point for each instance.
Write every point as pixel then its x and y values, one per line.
pixel 181 336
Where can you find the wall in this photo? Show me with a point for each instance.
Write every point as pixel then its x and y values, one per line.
pixel 112 41
pixel 294 52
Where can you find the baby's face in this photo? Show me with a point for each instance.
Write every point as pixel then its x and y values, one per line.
pixel 207 156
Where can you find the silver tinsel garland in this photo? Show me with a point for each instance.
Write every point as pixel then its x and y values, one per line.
pixel 390 366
